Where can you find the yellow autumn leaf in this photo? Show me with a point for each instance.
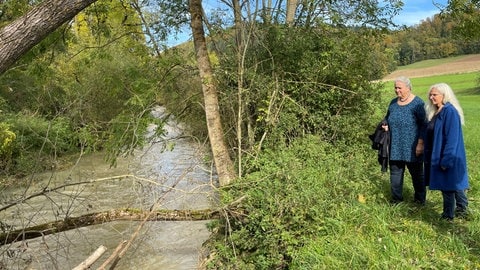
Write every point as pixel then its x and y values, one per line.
pixel 361 198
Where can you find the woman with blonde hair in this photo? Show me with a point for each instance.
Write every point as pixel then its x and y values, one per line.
pixel 445 158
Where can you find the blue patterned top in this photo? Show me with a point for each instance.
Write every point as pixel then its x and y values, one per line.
pixel 407 123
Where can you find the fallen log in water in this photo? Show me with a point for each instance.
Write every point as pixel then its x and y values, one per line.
pixel 102 217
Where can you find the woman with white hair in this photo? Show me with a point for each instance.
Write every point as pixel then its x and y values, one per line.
pixel 445 158
pixel 405 120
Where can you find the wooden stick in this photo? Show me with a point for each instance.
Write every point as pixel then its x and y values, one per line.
pixel 91 259
pixel 113 256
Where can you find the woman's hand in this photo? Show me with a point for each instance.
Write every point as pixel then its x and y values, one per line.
pixel 419 148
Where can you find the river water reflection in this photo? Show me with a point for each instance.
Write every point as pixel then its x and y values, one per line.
pixel 156 177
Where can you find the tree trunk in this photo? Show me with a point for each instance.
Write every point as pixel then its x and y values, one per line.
pixel 25 32
pixel 223 163
pixel 291 8
pixel 267 11
pixel 240 46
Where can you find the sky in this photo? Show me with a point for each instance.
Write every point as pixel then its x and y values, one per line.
pixel 413 12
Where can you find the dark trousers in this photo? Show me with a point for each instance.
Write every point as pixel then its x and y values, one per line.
pixel 455 200
pixel 397 172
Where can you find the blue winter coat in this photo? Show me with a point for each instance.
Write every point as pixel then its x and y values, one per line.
pixel 448 152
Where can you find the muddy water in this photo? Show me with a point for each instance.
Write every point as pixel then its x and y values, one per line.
pixel 169 174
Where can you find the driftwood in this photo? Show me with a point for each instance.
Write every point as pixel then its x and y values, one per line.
pixel 91 259
pixel 102 217
pixel 114 255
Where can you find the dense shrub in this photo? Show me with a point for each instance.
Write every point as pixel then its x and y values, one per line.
pixel 7 138
pixel 38 142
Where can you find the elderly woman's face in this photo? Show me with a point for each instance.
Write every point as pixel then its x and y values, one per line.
pixel 436 97
pixel 401 89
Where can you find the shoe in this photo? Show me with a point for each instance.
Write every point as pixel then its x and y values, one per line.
pixel 395 202
pixel 445 218
pixel 420 203
pixel 461 213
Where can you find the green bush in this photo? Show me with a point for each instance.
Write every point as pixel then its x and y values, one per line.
pixel 39 142
pixel 7 138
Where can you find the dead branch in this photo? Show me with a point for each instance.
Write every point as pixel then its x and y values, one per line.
pixel 113 256
pixel 103 217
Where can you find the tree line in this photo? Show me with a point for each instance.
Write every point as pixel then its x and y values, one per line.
pixel 436 37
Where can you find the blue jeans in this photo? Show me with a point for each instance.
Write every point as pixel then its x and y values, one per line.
pixel 397 172
pixel 453 200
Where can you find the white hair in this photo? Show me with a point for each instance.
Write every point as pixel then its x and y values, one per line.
pixel 448 96
pixel 405 80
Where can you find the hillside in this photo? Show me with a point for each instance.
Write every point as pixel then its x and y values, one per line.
pixel 467 63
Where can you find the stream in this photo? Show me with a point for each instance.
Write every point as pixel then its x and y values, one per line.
pixel 168 174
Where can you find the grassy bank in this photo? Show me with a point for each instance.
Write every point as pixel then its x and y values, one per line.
pixel 317 206
pixel 376 235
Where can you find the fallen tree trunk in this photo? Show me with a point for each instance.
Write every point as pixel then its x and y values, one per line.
pixel 103 217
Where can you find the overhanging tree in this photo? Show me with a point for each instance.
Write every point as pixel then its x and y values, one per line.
pixel 467 15
pixel 223 163
pixel 27 31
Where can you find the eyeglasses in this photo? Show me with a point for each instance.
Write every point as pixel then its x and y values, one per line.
pixel 434 95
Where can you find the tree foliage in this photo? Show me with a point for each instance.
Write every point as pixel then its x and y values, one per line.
pixel 96 72
pixel 300 81
pixel 466 14
pixel 292 81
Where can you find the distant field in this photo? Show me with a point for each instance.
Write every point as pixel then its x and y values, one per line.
pixel 432 62
pixel 461 72
pixel 452 65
